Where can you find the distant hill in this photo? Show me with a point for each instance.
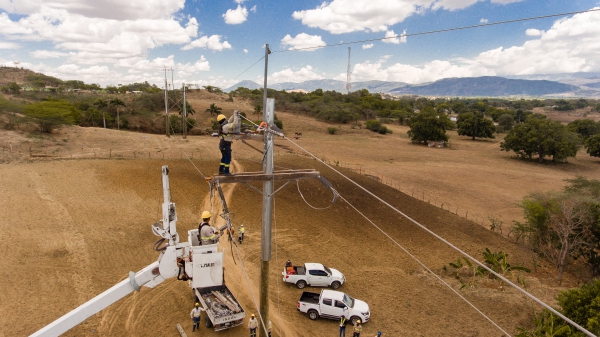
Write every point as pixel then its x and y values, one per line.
pixel 486 86
pixel 312 85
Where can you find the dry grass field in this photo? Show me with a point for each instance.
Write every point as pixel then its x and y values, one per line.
pixel 73 226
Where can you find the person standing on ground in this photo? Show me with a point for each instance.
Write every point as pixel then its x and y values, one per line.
pixel 207 234
pixel 195 315
pixel 357 328
pixel 226 131
pixel 343 322
pixel 252 325
pixel 241 232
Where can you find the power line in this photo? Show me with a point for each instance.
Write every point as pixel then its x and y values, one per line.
pixel 442 30
pixel 249 68
pixel 580 328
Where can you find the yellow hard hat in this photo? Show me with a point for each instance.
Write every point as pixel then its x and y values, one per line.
pixel 205 215
pixel 197 304
pixel 220 118
pixel 358 321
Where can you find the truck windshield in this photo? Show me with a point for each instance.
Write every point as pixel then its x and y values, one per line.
pixel 349 301
pixel 327 270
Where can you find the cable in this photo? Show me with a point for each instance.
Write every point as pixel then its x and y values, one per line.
pixel 311 206
pixel 424 266
pixel 249 68
pixel 203 176
pixel 449 244
pixel 276 261
pixel 441 30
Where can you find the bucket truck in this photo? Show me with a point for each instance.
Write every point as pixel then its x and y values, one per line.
pixel 200 265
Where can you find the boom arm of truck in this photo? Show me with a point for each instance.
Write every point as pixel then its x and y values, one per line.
pixel 152 275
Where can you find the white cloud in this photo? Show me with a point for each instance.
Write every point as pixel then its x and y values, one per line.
pixel 191 28
pixel 236 16
pixel 239 2
pixel 570 45
pixel 391 37
pixel 253 9
pixel 288 75
pixel 138 65
pixel 534 32
pixel 9 45
pixel 302 41
pixel 44 54
pixel 106 9
pixel 504 2
pixel 188 69
pixel 453 5
pixel 245 51
pixel 213 43
pixel 367 46
pixel 483 20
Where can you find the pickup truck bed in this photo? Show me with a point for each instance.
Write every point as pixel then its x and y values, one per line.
pixel 299 270
pixel 312 298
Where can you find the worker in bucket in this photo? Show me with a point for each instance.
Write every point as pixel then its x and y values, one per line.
pixel 195 315
pixel 241 232
pixel 207 234
pixel 226 131
pixel 252 325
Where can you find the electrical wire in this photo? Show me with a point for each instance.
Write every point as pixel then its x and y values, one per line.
pixel 424 266
pixel 197 169
pixel 441 30
pixel 580 328
pixel 248 68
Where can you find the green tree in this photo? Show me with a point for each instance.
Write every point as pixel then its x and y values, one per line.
pixel 428 125
pixel 541 137
pixel 101 105
pixel 117 103
pixel 475 125
pixel 52 114
pixel 213 109
pixel 506 122
pixel 585 127
pixel 592 145
pixel 582 305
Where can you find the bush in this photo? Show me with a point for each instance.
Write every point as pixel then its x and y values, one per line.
pixel 373 125
pixel 332 130
pixel 383 130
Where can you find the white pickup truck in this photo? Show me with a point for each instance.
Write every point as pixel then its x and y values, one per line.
pixel 313 274
pixel 333 304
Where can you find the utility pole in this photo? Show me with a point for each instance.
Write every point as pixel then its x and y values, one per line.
pixel 166 104
pixel 184 112
pixel 267 210
pixel 348 73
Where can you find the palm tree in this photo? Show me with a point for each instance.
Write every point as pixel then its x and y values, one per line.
pixel 101 105
pixel 116 102
pixel 213 109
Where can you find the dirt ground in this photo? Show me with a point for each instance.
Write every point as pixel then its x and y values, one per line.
pixel 73 226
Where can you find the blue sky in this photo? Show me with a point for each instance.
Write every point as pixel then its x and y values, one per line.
pixel 211 42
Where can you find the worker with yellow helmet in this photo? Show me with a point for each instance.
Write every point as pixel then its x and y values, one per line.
pixel 357 328
pixel 226 131
pixel 195 315
pixel 207 235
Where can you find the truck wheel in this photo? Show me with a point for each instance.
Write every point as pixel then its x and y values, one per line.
pixel 301 284
pixel 335 285
pixel 313 314
pixel 353 319
pixel 208 322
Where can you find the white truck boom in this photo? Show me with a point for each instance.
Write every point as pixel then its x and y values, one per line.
pixel 204 269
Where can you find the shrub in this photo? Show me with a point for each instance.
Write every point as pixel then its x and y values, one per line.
pixel 383 130
pixel 373 125
pixel 332 130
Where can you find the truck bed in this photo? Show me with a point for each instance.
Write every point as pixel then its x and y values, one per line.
pixel 221 316
pixel 308 297
pixel 298 270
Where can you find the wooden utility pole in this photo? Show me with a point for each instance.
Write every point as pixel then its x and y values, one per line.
pixel 184 112
pixel 166 105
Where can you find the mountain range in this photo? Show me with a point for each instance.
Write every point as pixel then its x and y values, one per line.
pixel 549 85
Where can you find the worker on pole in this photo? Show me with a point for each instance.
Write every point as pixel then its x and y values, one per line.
pixel 226 131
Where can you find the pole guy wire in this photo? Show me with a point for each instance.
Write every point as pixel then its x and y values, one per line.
pixel 442 30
